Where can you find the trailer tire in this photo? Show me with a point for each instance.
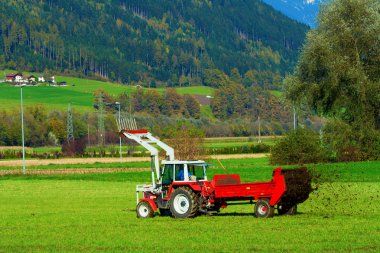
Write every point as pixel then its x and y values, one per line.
pixel 184 203
pixel 287 209
pixel 263 209
pixel 144 210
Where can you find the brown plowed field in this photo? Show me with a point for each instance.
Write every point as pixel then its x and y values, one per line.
pixel 70 171
pixel 110 160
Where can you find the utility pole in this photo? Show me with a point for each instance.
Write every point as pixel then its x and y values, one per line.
pixel 258 118
pixel 88 134
pixel 70 128
pixel 100 120
pixel 121 156
pixel 22 136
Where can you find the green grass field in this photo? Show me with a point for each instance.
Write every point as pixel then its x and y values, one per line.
pixel 78 92
pixel 96 213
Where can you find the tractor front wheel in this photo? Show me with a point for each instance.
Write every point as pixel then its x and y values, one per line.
pixel 263 209
pixel 144 210
pixel 184 203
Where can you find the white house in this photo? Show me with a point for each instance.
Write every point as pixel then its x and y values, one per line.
pixel 19 79
pixel 29 79
pixel 41 79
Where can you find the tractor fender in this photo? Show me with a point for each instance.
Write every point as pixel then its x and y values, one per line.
pixel 196 187
pixel 151 203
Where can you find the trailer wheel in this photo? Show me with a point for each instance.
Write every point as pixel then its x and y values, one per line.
pixel 144 210
pixel 263 209
pixel 287 209
pixel 184 203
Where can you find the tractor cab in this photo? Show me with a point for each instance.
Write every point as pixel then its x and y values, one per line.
pixel 183 171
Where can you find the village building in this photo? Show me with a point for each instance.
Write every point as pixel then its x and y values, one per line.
pixel 29 79
pixel 13 78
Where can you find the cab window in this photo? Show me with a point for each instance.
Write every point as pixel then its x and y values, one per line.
pixel 179 172
pixel 167 176
pixel 196 170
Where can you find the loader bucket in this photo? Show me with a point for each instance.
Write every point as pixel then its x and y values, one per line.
pixel 298 186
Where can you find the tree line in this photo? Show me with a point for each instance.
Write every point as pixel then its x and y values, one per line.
pixel 151 102
pixel 338 78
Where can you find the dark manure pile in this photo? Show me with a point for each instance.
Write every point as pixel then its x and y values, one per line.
pixel 298 186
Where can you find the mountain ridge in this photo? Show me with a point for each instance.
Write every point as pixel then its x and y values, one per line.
pixel 146 41
pixel 304 11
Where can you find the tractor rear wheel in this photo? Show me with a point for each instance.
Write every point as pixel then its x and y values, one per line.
pixel 287 209
pixel 263 209
pixel 144 210
pixel 184 203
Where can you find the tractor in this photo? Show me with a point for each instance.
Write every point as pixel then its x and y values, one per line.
pixel 181 188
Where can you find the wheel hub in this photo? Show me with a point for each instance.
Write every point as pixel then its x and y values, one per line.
pixel 181 204
pixel 143 210
pixel 262 209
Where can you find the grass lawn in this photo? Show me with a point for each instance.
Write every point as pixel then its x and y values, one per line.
pixel 88 213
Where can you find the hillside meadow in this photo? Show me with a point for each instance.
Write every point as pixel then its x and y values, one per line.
pixel 78 92
pixel 96 213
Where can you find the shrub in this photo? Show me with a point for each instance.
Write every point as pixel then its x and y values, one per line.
pixel 300 146
pixel 187 141
pixel 346 143
pixel 74 148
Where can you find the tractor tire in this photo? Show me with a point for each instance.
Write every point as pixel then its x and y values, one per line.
pixel 184 203
pixel 287 209
pixel 263 209
pixel 144 210
pixel 165 212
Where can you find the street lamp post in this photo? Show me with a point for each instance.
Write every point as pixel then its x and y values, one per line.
pixel 121 156
pixel 22 136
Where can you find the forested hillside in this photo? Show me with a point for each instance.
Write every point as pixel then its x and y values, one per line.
pixel 166 42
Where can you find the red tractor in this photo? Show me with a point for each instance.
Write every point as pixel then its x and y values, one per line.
pixel 182 189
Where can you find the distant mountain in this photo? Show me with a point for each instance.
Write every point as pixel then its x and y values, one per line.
pixel 304 11
pixel 169 41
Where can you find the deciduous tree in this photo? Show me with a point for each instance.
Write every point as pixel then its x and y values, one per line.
pixel 338 74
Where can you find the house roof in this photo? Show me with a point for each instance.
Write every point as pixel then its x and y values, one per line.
pixel 12 75
pixel 28 77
